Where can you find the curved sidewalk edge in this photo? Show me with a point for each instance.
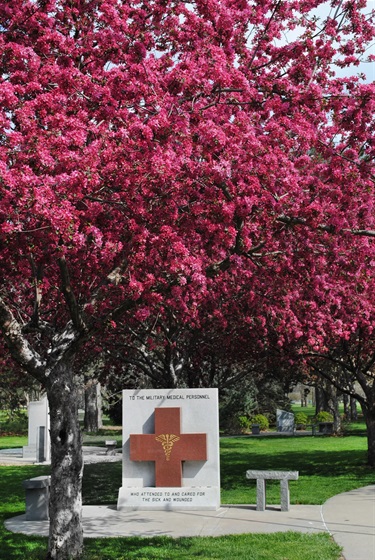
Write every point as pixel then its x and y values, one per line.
pixel 106 521
pixel 350 518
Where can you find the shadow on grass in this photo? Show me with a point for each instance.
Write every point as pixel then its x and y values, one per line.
pixel 356 430
pixel 327 461
pixel 12 503
pixel 101 482
pixel 19 547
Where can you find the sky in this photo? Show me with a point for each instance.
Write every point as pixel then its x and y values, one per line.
pixel 367 68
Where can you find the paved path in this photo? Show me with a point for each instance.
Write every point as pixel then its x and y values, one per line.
pixel 91 454
pixel 106 521
pixel 350 518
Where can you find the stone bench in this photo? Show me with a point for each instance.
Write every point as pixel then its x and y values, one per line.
pixel 37 498
pixel 326 428
pixel 111 446
pixel 262 476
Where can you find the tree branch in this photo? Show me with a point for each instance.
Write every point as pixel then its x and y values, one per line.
pixel 356 375
pixel 70 299
pixel 18 345
pixel 294 221
pixel 37 274
pixel 331 379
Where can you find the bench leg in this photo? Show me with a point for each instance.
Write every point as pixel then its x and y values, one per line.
pixel 261 494
pixel 284 492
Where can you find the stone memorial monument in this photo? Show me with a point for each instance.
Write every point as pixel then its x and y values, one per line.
pixel 284 421
pixel 39 446
pixel 170 450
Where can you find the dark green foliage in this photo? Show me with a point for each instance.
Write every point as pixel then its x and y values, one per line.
pixel 235 402
pixel 271 396
pixel 114 411
pixel 13 422
pixel 251 397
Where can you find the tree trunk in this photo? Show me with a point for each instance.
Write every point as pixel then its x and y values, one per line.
pixel 333 406
pixel 93 407
pixel 321 399
pixel 65 533
pixel 353 409
pixel 369 416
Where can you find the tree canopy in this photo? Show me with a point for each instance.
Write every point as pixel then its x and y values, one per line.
pixel 146 148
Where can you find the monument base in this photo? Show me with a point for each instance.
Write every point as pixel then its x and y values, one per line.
pixel 185 498
pixel 29 452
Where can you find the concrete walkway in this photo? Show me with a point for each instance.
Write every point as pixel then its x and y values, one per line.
pixel 91 454
pixel 106 521
pixel 349 517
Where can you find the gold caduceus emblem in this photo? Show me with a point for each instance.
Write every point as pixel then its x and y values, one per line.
pixel 167 441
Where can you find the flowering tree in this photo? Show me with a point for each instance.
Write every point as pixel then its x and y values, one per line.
pixel 15 389
pixel 164 154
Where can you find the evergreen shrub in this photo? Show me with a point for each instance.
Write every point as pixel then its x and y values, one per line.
pixel 300 420
pixel 261 420
pixel 323 417
pixel 244 423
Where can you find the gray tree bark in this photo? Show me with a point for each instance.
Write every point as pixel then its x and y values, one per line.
pixel 54 371
pixel 65 533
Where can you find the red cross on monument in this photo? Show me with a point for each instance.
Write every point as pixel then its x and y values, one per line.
pixel 168 447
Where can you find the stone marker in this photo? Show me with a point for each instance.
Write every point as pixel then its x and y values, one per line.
pixel 37 498
pixel 284 421
pixel 39 446
pixel 170 450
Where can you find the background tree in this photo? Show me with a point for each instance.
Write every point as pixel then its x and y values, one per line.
pixel 93 418
pixel 328 398
pixel 350 369
pixel 160 155
pixel 15 389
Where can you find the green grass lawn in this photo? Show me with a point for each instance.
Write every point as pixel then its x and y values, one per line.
pixel 278 546
pixel 327 466
pixel 12 442
pixel 308 410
